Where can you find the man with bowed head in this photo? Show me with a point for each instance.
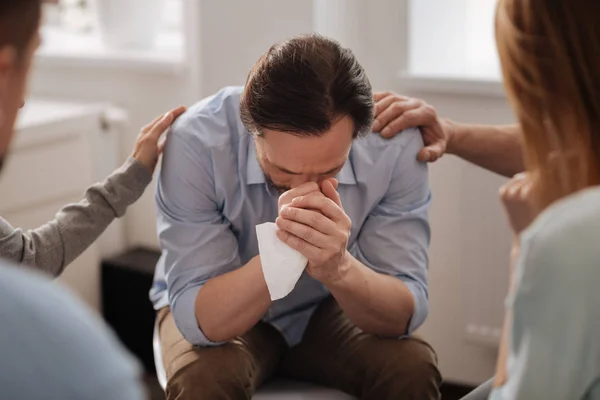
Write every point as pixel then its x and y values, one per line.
pixel 294 147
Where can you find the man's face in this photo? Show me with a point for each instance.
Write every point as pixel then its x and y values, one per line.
pixel 289 161
pixel 14 71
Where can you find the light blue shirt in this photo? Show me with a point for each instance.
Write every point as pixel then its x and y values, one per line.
pixel 53 348
pixel 212 193
pixel 554 347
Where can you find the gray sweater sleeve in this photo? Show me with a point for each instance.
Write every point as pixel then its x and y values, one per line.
pixel 54 245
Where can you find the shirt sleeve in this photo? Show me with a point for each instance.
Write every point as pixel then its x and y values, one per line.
pixel 54 245
pixel 394 239
pixel 197 241
pixel 553 345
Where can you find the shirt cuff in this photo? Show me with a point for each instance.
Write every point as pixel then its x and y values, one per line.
pixel 421 303
pixel 183 308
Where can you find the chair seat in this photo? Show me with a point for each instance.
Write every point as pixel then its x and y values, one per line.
pixel 275 390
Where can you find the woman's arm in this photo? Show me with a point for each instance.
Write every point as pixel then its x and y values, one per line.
pixel 57 243
pixel 495 148
pixel 54 245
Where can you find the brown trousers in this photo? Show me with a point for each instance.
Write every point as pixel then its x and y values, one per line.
pixel 333 353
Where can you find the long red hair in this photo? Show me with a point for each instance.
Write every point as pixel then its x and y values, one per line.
pixel 550 57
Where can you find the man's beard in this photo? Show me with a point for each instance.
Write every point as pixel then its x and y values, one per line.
pixel 273 187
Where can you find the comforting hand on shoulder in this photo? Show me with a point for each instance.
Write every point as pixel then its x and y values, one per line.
pixel 395 113
pixel 148 146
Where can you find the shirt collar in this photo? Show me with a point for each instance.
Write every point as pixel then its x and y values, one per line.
pixel 346 175
pixel 255 175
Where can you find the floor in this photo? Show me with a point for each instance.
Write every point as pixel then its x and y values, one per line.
pixel 449 391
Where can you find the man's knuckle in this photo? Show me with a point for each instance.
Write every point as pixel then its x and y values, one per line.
pixel 287 237
pixel 286 224
pixel 315 219
pixel 284 236
pixel 292 212
pixel 307 234
pixel 299 244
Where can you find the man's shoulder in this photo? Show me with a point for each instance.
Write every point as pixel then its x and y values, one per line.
pixel 213 121
pixel 374 149
pixel 375 144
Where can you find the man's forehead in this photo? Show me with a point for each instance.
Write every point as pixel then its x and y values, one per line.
pixel 312 157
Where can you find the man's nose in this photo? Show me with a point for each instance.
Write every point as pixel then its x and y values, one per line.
pixel 22 104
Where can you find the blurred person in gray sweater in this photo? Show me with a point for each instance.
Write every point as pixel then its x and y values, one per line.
pixel 51 346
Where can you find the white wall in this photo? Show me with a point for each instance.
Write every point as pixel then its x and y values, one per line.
pixel 234 34
pixel 467 221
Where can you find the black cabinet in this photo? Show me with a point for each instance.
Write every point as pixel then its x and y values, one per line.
pixel 126 281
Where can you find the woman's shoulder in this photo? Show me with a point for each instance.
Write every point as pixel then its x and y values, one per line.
pixel 565 238
pixel 579 212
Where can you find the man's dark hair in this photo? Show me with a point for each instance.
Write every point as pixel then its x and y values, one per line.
pixel 303 85
pixel 19 21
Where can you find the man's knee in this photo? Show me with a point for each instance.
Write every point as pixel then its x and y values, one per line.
pixel 218 373
pixel 405 369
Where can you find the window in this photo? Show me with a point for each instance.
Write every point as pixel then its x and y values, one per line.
pixel 71 34
pixel 452 39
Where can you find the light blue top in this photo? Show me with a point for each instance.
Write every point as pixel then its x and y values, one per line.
pixel 53 348
pixel 212 193
pixel 555 334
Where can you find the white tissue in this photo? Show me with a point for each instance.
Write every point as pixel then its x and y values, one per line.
pixel 282 266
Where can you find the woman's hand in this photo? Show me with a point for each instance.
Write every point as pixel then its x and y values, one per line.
pixel 517 197
pixel 149 146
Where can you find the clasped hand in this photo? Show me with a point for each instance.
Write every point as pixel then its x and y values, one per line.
pixel 313 222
